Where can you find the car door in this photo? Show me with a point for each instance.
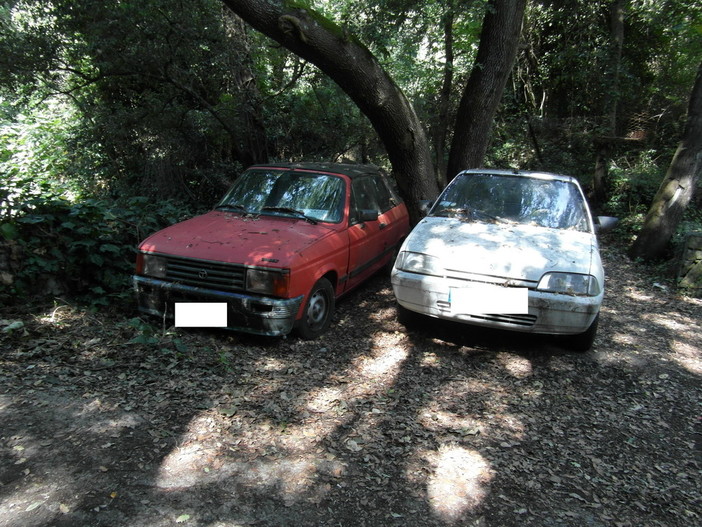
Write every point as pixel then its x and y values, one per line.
pixel 366 236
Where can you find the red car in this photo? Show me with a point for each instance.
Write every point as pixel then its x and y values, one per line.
pixel 277 251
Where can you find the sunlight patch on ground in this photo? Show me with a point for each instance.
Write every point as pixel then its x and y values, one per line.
pixel 385 363
pixel 292 478
pixel 518 367
pixel 289 460
pixel 688 356
pixel 376 371
pixel 182 467
pixel 625 339
pixel 324 398
pixel 382 315
pixel 459 481
pixel 370 374
pixel 21 498
pixel 667 321
pixel 637 295
pixel 683 338
pixel 268 457
pixel 323 409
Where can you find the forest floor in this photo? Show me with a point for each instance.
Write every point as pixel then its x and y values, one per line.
pixel 106 420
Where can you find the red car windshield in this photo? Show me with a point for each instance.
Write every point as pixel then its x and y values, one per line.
pixel 316 197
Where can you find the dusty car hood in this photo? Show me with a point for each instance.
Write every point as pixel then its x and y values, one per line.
pixel 503 250
pixel 232 238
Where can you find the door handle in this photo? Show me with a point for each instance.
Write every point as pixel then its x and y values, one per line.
pixel 382 225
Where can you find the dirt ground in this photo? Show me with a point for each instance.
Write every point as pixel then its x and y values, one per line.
pixel 108 421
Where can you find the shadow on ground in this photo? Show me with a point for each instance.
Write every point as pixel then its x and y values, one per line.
pixel 373 424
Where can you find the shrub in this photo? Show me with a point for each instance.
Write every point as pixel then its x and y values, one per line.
pixel 633 184
pixel 53 246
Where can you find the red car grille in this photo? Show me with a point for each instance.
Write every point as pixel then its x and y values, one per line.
pixel 203 273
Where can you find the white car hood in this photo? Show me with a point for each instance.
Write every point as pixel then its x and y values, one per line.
pixel 520 252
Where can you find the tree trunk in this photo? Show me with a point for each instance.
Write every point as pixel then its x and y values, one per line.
pixel 499 40
pixel 617 31
pixel 440 129
pixel 354 68
pixel 678 186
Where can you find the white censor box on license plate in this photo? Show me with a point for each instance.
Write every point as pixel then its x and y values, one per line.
pixel 485 299
pixel 201 314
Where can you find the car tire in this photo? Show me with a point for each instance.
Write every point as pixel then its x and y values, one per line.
pixel 584 341
pixel 319 308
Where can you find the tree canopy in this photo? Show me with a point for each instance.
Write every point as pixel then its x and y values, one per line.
pixel 170 100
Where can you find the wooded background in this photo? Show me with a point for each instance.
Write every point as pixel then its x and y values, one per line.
pixel 119 116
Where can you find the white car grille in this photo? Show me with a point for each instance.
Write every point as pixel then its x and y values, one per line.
pixel 521 320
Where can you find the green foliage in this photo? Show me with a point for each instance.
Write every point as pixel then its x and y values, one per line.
pixel 318 122
pixel 148 99
pixel 633 182
pixel 42 153
pixel 144 83
pixel 85 248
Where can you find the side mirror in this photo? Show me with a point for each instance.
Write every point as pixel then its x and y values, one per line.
pixel 367 215
pixel 605 224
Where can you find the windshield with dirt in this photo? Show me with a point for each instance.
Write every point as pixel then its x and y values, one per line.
pixel 310 196
pixel 496 198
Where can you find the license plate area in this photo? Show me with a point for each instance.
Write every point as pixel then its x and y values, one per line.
pixel 201 314
pixel 487 299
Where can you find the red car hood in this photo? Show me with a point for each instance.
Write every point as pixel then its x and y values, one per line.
pixel 232 238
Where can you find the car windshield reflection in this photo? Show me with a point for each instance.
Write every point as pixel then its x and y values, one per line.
pixel 492 198
pixel 315 197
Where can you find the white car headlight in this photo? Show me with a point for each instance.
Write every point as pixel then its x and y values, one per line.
pixel 268 282
pixel 569 284
pixel 419 263
pixel 153 265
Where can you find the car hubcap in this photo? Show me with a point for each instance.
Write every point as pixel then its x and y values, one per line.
pixel 317 310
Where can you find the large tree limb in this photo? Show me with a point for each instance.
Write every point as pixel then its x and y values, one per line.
pixel 354 68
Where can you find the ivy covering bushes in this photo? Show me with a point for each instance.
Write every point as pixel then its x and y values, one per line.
pixel 53 246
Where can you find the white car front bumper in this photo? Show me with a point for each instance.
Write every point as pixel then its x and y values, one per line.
pixel 548 313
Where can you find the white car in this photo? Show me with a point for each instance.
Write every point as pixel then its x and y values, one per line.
pixel 506 249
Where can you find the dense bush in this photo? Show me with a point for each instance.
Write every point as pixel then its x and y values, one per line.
pixel 53 246
pixel 633 181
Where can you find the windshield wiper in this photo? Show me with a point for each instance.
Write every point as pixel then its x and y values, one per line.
pixel 289 210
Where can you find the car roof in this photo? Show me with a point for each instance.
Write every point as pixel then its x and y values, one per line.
pixel 346 169
pixel 522 173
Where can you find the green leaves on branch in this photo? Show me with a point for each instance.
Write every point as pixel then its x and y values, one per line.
pixel 86 248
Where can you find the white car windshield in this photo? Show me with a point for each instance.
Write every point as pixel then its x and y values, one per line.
pixel 497 198
pixel 314 197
